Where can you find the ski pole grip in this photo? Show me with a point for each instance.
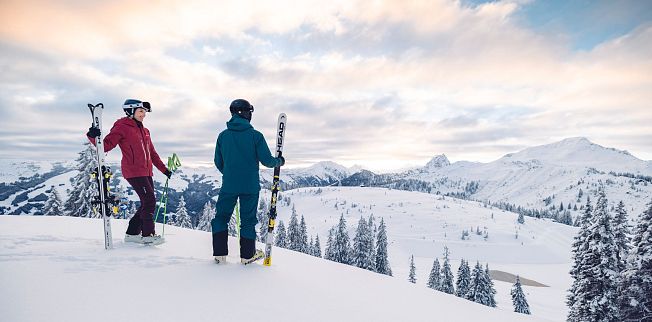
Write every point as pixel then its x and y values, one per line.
pixel 173 162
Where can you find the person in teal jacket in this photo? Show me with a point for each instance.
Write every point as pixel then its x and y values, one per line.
pixel 238 151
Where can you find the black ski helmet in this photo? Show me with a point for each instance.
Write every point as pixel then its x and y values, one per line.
pixel 130 106
pixel 242 108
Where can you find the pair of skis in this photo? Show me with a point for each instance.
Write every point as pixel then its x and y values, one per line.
pixel 102 174
pixel 269 240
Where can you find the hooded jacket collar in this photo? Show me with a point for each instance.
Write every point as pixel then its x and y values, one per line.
pixel 237 123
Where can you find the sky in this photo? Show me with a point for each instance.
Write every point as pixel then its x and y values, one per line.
pixel 381 84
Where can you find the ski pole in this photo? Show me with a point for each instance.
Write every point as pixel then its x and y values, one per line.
pixel 173 164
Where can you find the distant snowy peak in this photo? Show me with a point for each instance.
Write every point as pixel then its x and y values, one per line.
pixel 439 161
pixel 326 167
pixel 579 151
pixel 320 173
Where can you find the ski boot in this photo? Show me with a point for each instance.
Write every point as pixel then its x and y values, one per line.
pixel 220 259
pixel 133 238
pixel 153 239
pixel 259 254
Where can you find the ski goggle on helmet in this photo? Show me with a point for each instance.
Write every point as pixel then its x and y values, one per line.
pixel 131 105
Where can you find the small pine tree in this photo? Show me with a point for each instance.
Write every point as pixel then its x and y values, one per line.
pixel 373 230
pixel 382 260
pixel 53 205
pixel 207 214
pixel 518 298
pixel 491 290
pixel 463 279
pixel 521 219
pixel 341 249
pixel 281 236
pixel 294 233
pixel 182 216
pixel 433 279
pixel 84 189
pixel 481 288
pixel 413 271
pixel 317 247
pixel 328 252
pixel 446 279
pixel 361 246
pixel 303 237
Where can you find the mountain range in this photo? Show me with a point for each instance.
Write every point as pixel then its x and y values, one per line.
pixel 549 176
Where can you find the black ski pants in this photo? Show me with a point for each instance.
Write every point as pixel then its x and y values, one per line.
pixel 143 220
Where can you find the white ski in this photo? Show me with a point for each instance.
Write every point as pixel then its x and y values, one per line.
pixel 269 241
pixel 103 175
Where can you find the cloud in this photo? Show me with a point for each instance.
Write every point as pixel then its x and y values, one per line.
pixel 362 82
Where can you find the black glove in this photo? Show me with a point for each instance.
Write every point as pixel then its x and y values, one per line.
pixel 168 173
pixel 93 132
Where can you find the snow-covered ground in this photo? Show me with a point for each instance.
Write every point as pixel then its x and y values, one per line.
pixel 422 224
pixel 55 269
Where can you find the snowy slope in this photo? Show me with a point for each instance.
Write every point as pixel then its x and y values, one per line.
pixel 55 269
pixel 421 224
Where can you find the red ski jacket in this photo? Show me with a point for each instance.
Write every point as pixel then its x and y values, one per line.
pixel 138 152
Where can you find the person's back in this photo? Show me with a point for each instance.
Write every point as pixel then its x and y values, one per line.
pixel 238 151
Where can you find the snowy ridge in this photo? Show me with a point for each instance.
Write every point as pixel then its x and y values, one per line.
pixel 85 282
pixel 557 171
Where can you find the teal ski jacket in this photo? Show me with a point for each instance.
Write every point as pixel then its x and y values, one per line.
pixel 238 151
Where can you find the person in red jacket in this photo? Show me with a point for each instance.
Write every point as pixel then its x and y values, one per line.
pixel 138 155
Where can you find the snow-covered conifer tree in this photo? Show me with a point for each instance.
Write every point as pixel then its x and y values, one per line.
pixel 280 238
pixel 621 235
pixel 518 298
pixel 491 290
pixel 361 246
pixel 328 252
pixel 206 216
pixel 294 233
pixel 636 302
pixel 481 288
pixel 53 205
pixel 521 219
pixel 446 279
pixel 433 279
pixel 317 247
pixel 412 278
pixel 341 249
pixel 372 240
pixel 303 237
pixel 579 267
pixel 182 218
pixel 463 279
pixel 595 286
pixel 84 189
pixel 382 259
